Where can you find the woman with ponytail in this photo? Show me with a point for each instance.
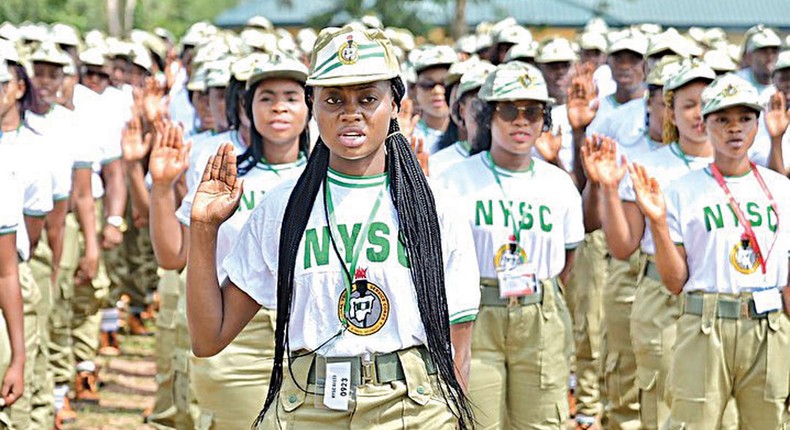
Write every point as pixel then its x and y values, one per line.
pixel 526 218
pixel 374 283
pixel 229 387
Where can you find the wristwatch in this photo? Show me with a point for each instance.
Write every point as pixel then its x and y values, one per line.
pixel 118 222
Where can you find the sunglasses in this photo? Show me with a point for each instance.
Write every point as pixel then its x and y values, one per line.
pixel 509 112
pixel 429 85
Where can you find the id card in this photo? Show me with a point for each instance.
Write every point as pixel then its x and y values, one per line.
pixel 767 300
pixel 519 280
pixel 337 386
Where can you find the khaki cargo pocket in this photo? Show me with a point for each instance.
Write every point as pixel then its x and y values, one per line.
pixel 206 420
pixel 166 319
pixel 646 381
pixel 291 395
pixel 688 373
pixel 555 340
pixel 612 383
pixel 777 377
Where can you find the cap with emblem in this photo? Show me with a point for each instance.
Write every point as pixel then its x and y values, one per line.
pixel 93 57
pixel 783 61
pixel 435 56
pixel 211 51
pixel 458 69
pixel 593 41
pixel 278 65
pixel 197 80
pixel 258 39
pixel 720 61
pixel 63 34
pixel 5 74
pixel 141 57
pixel 761 37
pixel 48 52
pixel 596 25
pixel 95 39
pixel 513 34
pixel 260 22
pixel 522 51
pixel 467 43
pixel 117 48
pixel 218 73
pixel 727 91
pixel 668 41
pixel 690 70
pixel 475 77
pixel 242 69
pixel 555 51
pixel 630 40
pixel 666 67
pixel 345 56
pixel 515 81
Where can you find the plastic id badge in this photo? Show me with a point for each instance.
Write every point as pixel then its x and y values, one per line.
pixel 767 300
pixel 516 281
pixel 337 385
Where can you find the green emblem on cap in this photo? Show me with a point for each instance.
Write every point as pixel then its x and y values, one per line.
pixel 525 80
pixel 729 91
pixel 349 52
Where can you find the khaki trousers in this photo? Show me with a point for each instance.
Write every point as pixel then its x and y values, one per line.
pixel 5 361
pixel 20 412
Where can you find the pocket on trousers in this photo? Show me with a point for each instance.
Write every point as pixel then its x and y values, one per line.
pixel 777 372
pixel 688 371
pixel 612 383
pixel 206 420
pixel 554 360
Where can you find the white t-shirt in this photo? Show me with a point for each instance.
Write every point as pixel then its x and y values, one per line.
pixel 384 315
pixel 699 217
pixel 430 136
pixel 666 164
pixel 448 157
pixel 20 153
pixel 760 152
pixel 560 123
pixel 603 80
pixel 9 195
pixel 257 182
pixel 204 148
pixel 606 105
pixel 542 199
pixel 765 91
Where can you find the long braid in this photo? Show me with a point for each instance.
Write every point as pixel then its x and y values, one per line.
pixel 420 233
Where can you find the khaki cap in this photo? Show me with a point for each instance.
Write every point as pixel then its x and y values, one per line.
pixel 475 77
pixel 218 73
pixel 596 25
pixel 458 69
pixel 727 91
pixel 278 65
pixel 260 22
pixel 372 21
pixel 522 51
pixel 720 60
pixel 8 51
pixel 48 52
pixel 629 41
pixel 435 56
pixel 690 70
pixel 670 40
pixel 591 40
pixel 211 51
pixel 63 34
pixel 197 81
pixel 556 50
pixel 467 43
pixel 306 38
pixel 242 69
pixel 141 57
pixel 9 31
pixel 513 34
pixel 515 81
pixel 95 39
pixel 93 57
pixel 5 74
pixel 34 32
pixel 762 37
pixel 258 39
pixel 345 56
pixel 666 67
pixel 783 61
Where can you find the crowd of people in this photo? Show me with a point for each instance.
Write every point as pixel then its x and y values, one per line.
pixel 355 228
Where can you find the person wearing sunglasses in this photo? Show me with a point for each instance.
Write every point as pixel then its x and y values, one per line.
pixel 432 97
pixel 526 218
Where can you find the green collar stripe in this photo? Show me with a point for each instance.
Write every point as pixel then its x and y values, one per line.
pixel 284 166
pixel 489 162
pixel 348 181
pixel 334 57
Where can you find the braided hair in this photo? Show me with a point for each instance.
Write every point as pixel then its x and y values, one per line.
pixel 418 231
pixel 254 153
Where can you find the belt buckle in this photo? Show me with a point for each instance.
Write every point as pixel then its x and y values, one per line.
pixel 368 374
pixel 513 301
pixel 746 312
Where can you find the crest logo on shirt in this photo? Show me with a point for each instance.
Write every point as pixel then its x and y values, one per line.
pixel 369 307
pixel 743 258
pixel 349 52
pixel 510 255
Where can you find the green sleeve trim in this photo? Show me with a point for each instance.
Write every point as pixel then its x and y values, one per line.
pixel 468 318
pixel 574 245
pixel 680 244
pixel 35 214
pixel 82 165
pixel 109 160
pixel 60 198
pixel 7 231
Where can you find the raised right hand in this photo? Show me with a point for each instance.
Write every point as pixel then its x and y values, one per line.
pixel 582 104
pixel 649 197
pixel 407 120
pixel 135 146
pixel 220 189
pixel 170 156
pixel 599 156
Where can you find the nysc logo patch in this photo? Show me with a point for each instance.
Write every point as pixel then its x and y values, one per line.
pixel 743 258
pixel 349 52
pixel 369 307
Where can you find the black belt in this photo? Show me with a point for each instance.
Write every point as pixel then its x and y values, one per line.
pixel 382 369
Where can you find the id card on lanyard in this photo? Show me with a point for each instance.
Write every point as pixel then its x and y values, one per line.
pixel 748 242
pixel 515 276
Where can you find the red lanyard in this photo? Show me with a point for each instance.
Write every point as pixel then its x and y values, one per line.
pixel 747 226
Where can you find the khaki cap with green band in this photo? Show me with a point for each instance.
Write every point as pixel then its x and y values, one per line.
pixel 218 73
pixel 435 56
pixel 48 52
pixel 727 91
pixel 526 50
pixel 346 56
pixel 515 81
pixel 720 60
pixel 475 77
pixel 555 51
pixel 689 70
pixel 93 57
pixel 459 68
pixel 278 65
pixel 762 37
pixel 629 41
pixel 667 66
pixel 783 61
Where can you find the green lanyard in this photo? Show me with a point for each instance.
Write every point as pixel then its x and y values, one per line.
pixel 491 166
pixel 678 151
pixel 358 244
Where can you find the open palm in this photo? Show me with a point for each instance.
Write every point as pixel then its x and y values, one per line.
pixel 599 156
pixel 549 145
pixel 407 120
pixel 649 196
pixel 134 146
pixel 582 103
pixel 170 156
pixel 219 192
pixel 418 146
pixel 778 116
